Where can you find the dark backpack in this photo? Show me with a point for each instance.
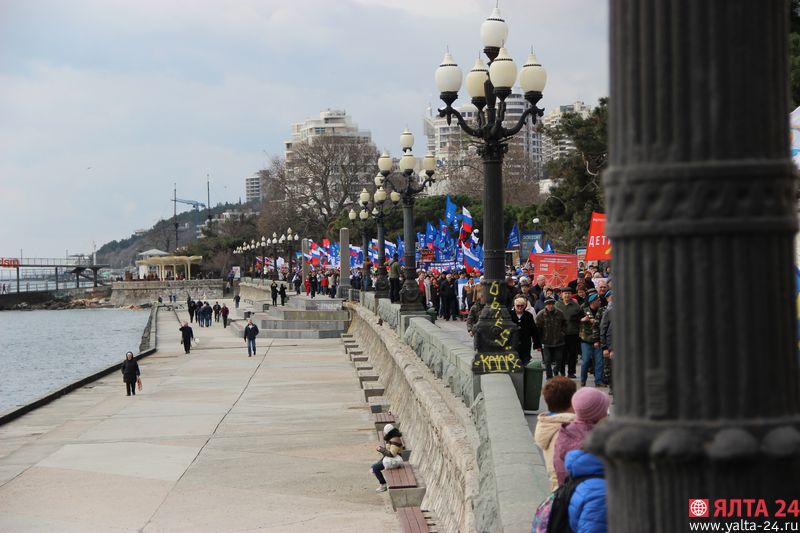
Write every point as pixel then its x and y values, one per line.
pixel 552 515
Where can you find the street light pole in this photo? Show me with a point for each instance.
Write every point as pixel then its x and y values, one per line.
pixel 263 246
pixel 379 212
pixel 410 297
pixel 489 88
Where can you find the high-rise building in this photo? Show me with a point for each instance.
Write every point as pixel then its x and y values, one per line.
pixel 552 149
pixel 331 122
pixel 252 188
pixel 450 145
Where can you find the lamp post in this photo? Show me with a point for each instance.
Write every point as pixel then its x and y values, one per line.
pixel 362 217
pixel 245 258
pixel 291 240
pixel 263 245
pixel 489 89
pixel 253 245
pixel 274 242
pixel 410 298
pixel 379 212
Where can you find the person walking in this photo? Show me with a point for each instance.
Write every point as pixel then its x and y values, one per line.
pixel 191 307
pixel 606 339
pixel 552 327
pixel 273 289
pixel 186 336
pixel 236 300
pixel 250 334
pixel 394 280
pixel 528 334
pixel 224 312
pixel 282 294
pixel 591 353
pixel 130 374
pixel 217 308
pixel 297 281
pixel 572 343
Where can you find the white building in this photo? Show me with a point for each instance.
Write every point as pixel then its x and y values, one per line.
pixel 331 122
pixel 252 188
pixel 551 149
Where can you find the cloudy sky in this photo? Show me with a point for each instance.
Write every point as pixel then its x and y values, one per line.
pixel 105 103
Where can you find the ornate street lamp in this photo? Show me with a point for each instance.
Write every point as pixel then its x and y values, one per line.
pixel 274 242
pixel 410 297
pixel 489 90
pixel 291 240
pixel 379 213
pixel 263 245
pixel 362 217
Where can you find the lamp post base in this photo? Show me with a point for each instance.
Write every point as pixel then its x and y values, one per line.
pixel 411 299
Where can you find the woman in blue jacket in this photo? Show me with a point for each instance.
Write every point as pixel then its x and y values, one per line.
pixel 587 507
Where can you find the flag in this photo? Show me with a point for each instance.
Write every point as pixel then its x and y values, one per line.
pixel 326 243
pixel 315 254
pixel 471 259
pixel 449 209
pixel 535 250
pixel 430 235
pixel 466 226
pixel 513 238
pixel 401 250
pixel 548 248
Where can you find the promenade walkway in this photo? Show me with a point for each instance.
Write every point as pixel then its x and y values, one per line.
pixel 216 441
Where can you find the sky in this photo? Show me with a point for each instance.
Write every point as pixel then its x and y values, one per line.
pixel 104 104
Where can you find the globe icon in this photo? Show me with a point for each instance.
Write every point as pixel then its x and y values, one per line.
pixel 698 508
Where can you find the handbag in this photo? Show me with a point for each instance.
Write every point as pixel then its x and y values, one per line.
pixel 139 383
pixel 390 463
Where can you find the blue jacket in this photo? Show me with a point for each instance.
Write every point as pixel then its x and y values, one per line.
pixel 587 508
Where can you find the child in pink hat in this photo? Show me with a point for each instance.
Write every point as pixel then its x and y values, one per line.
pixel 590 406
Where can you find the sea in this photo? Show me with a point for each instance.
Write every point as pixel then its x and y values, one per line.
pixel 44 351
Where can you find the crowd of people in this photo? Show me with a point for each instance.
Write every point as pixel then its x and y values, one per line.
pixel 202 312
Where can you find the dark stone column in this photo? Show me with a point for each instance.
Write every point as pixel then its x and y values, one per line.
pixel 382 280
pixel 411 300
pixel 700 200
pixel 343 291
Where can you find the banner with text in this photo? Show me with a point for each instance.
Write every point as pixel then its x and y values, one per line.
pixel 598 247
pixel 558 269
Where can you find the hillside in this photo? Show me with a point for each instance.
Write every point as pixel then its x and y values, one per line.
pixel 122 253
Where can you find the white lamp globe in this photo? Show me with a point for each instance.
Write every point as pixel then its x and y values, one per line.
pixel 406 140
pixel 297 237
pixel 407 162
pixel 503 71
pixel 363 215
pixel 494 30
pixel 380 195
pixel 385 162
pixel 448 75
pixel 352 214
pixel 378 180
pixel 429 162
pixel 476 78
pixel 532 77
pixel 274 235
pixel 363 198
pixel 395 196
pixel 375 211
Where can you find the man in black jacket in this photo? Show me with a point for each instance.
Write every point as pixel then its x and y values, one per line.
pixel 186 336
pixel 250 334
pixel 528 332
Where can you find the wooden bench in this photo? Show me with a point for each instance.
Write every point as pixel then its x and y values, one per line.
pixel 412 520
pixel 400 478
pixel 381 419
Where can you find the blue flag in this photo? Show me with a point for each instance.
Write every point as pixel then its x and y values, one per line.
pixel 548 248
pixel 430 235
pixel 513 238
pixel 449 210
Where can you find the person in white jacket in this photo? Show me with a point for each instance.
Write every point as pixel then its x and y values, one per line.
pixel 557 393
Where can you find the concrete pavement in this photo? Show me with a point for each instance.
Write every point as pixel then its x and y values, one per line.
pixel 216 441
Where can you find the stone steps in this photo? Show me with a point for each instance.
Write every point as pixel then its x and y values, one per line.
pixel 284 313
pixel 317 304
pixel 336 325
pixel 298 334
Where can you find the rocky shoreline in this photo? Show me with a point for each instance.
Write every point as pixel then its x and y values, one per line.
pixel 73 303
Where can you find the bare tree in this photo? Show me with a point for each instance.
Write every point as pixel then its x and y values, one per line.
pixel 324 176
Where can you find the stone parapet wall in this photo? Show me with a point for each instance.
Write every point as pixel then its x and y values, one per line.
pixel 437 427
pixel 512 476
pixel 141 292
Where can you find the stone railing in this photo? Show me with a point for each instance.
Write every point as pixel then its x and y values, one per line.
pixel 436 426
pixel 512 476
pixel 141 292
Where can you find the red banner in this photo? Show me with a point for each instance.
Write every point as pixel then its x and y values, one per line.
pixel 9 263
pixel 598 247
pixel 558 269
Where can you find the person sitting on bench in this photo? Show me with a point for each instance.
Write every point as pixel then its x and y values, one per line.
pixel 390 454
